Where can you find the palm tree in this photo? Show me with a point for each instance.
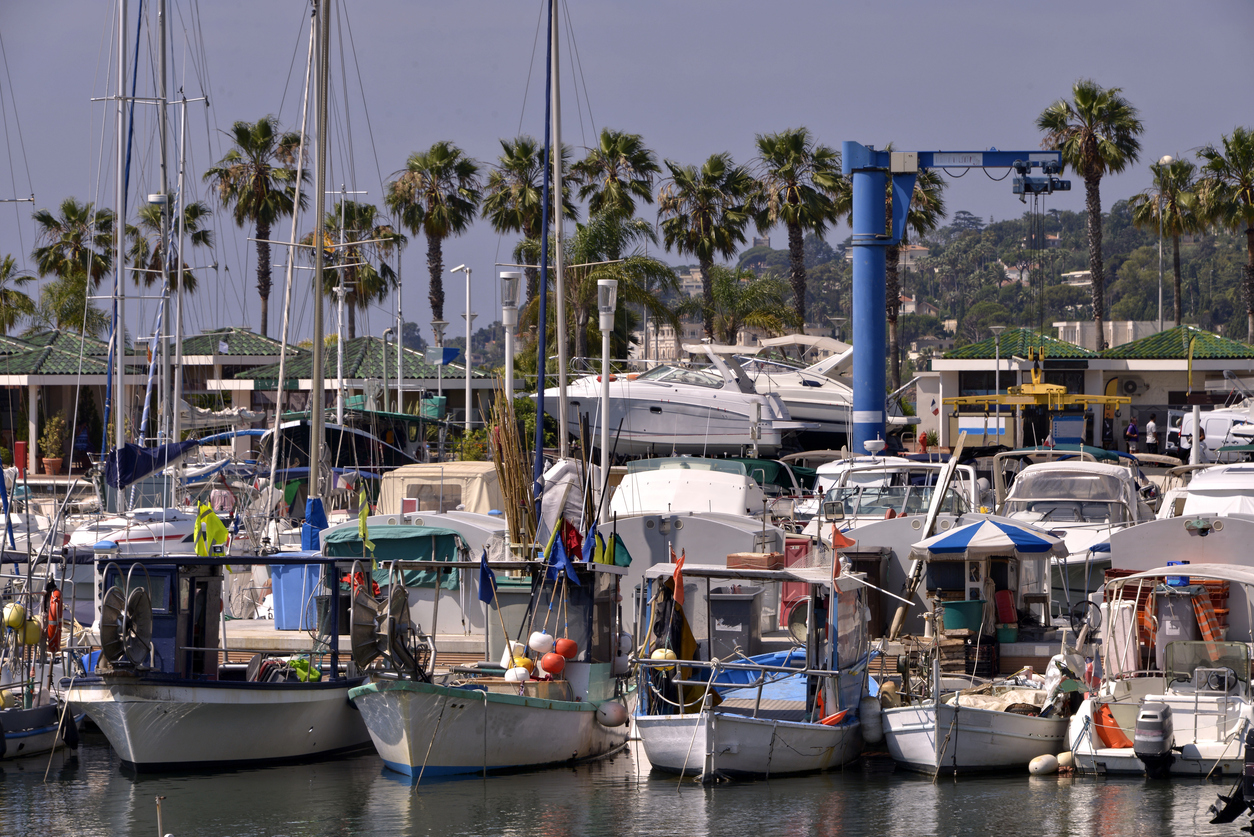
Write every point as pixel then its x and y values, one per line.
pixel 65 305
pixel 148 251
pixel 927 210
pixel 513 198
pixel 1172 208
pixel 437 194
pixel 1227 198
pixel 368 242
pixel 801 186
pixel 77 242
pixel 1096 133
pixel 704 213
pixel 257 179
pixel 742 299
pixel 615 173
pixel 14 304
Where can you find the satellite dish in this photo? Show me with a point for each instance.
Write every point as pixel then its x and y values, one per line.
pixel 136 634
pixel 364 631
pixel 111 624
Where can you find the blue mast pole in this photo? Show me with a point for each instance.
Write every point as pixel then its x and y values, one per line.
pixel 869 318
pixel 537 469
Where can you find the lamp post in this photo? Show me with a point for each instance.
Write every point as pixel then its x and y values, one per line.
pixel 1165 160
pixel 469 319
pixel 997 330
pixel 511 282
pixel 837 322
pixel 607 301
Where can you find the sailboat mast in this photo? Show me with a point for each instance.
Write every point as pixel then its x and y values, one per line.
pixel 119 241
pixel 176 410
pixel 562 419
pixel 317 424
pixel 163 129
pixel 537 468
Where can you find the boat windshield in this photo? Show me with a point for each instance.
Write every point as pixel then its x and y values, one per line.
pixel 687 463
pixel 683 375
pixel 1069 496
pixel 877 500
pixel 1204 663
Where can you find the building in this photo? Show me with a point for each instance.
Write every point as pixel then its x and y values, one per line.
pixel 914 305
pixel 1078 278
pixel 908 257
pixel 1084 332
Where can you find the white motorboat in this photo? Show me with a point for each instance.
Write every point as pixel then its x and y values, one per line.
pixel 673 409
pixel 820 393
pixel 485 718
pixel 164 699
pixel 736 715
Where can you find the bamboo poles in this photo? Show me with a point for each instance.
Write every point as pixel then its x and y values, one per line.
pixel 513 470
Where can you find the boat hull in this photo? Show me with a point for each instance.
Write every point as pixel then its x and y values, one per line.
pixel 31 732
pixel 1219 756
pixel 977 740
pixel 164 725
pixel 738 745
pixel 425 730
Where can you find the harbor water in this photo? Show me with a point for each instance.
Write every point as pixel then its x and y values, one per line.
pixel 89 794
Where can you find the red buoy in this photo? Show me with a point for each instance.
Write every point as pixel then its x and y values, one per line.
pixel 552 663
pixel 568 648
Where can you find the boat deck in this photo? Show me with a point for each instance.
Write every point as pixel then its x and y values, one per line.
pixel 771 710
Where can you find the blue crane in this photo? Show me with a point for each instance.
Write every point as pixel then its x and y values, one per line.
pixel 870 172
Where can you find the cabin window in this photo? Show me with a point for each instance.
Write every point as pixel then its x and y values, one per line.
pixel 431 497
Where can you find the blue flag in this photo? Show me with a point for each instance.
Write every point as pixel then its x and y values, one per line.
pixel 487 580
pixel 590 544
pixel 559 561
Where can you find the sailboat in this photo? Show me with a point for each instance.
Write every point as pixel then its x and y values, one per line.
pixel 162 693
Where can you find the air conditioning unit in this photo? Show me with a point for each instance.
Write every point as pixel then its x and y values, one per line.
pixel 1131 386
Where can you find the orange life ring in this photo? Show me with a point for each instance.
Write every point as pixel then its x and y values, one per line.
pixel 53 629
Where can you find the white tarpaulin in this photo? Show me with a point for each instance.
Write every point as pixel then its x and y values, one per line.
pixel 193 417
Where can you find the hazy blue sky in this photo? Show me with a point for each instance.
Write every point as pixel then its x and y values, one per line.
pixel 693 77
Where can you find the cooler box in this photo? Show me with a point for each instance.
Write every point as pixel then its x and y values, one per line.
pixel 736 611
pixel 964 615
pixel 293 587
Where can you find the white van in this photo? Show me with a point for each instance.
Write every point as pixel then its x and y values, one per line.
pixel 1219 428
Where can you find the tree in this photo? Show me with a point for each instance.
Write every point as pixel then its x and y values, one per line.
pixel 1227 198
pixel 257 180
pixel 359 265
pixel 147 250
pixel 1097 133
pixel 802 187
pixel 818 251
pixel 514 195
pixel 77 242
pixel 437 194
pixel 927 208
pixel 964 221
pixel 1171 208
pixel 14 304
pixel 65 305
pixel 704 213
pixel 614 174
pixel 743 300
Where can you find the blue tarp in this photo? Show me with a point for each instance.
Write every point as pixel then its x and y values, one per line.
pixel 132 463
pixel 315 522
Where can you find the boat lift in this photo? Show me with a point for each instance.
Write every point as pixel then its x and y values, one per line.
pixel 870 171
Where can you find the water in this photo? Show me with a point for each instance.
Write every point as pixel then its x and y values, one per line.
pixel 89 795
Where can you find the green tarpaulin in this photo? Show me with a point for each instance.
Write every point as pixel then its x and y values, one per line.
pixel 401 543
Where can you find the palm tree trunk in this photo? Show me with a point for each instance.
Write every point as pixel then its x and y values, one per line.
pixel 707 295
pixel 1093 206
pixel 581 332
pixel 533 282
pixel 892 306
pixel 263 272
pixel 352 318
pixel 797 262
pixel 1175 266
pixel 435 268
pixel 1249 284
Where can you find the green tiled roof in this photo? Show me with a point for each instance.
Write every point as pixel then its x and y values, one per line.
pixel 363 358
pixel 239 342
pixel 52 361
pixel 13 345
pixel 1017 341
pixel 68 341
pixel 1173 344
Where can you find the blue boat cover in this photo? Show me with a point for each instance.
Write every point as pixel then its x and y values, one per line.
pixel 131 463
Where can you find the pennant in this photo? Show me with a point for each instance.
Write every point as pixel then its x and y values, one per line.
pixel 590 545
pixel 678 576
pixel 620 557
pixel 487 580
pixel 840 540
pixel 559 562
pixel 362 529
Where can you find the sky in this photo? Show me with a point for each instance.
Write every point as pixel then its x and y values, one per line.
pixel 694 77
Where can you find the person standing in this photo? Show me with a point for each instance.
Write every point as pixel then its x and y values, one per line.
pixel 1132 435
pixel 1151 434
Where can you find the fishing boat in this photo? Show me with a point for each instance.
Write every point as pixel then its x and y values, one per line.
pixel 709 705
pixel 561 704
pixel 1188 714
pixel 994 566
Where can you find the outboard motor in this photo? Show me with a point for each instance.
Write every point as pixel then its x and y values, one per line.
pixel 1154 738
pixel 1227 808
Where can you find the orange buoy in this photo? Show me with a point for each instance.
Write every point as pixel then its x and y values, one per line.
pixel 568 648
pixel 552 663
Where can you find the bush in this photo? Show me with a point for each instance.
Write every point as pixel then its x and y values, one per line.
pixel 6 456
pixel 52 440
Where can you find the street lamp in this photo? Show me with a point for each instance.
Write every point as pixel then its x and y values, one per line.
pixel 607 302
pixel 511 283
pixel 469 319
pixel 1165 160
pixel 997 330
pixel 837 322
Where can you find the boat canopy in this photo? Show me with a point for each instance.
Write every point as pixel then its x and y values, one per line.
pixel 688 463
pixel 1233 573
pixel 401 542
pixel 441 487
pixel 131 463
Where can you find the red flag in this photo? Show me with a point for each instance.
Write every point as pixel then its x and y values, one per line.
pixel 679 576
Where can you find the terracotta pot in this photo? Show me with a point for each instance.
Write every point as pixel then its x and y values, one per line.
pixel 52 466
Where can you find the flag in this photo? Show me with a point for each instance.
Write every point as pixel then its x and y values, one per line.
pixel 678 576
pixel 619 556
pixel 344 481
pixel 590 545
pixel 839 539
pixel 210 531
pixel 559 561
pixel 487 580
pixel 935 408
pixel 362 529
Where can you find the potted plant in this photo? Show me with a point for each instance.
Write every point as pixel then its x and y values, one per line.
pixel 52 443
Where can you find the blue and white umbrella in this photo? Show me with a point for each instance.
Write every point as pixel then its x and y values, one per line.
pixel 987 538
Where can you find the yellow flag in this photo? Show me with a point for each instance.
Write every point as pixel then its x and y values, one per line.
pixel 362 529
pixel 210 531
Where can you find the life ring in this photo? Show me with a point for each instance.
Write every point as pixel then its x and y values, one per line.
pixel 53 629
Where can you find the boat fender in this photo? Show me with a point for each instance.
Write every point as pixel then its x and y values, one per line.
pixel 69 731
pixel 1043 765
pixel 1066 760
pixel 14 616
pixel 611 714
pixel 872 723
pixel 517 675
